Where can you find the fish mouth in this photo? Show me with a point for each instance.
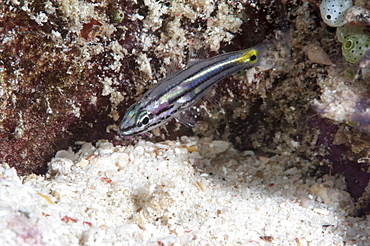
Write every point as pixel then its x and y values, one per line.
pixel 127 131
pixel 131 131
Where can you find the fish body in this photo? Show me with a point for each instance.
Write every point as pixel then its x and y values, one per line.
pixel 184 88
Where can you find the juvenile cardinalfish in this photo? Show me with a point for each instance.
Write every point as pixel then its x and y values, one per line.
pixel 184 88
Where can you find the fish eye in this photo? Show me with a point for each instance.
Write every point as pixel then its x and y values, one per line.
pixel 144 119
pixel 253 58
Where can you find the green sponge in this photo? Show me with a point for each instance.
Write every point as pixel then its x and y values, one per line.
pixel 355 43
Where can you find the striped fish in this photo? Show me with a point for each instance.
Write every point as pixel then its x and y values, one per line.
pixel 184 88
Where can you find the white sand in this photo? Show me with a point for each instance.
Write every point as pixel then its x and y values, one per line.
pixel 163 194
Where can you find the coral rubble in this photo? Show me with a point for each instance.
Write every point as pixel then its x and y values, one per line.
pixel 70 69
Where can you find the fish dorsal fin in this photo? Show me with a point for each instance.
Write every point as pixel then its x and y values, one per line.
pixel 174 65
pixel 196 51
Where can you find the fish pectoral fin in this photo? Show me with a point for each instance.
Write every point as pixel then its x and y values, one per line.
pixel 212 96
pixel 186 119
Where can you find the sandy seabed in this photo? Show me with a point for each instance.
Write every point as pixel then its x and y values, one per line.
pixel 186 192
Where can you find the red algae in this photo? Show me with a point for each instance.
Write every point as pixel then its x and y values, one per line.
pixel 67 75
pixel 51 94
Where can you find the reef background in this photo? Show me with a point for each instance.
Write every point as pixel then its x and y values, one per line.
pixel 70 69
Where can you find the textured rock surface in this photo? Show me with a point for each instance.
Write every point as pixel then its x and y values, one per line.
pixel 70 69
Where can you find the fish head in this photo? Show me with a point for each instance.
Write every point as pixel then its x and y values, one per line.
pixel 136 120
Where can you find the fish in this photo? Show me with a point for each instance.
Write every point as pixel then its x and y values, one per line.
pixel 181 90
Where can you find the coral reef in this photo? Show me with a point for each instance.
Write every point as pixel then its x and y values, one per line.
pixel 70 69
pixel 60 63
